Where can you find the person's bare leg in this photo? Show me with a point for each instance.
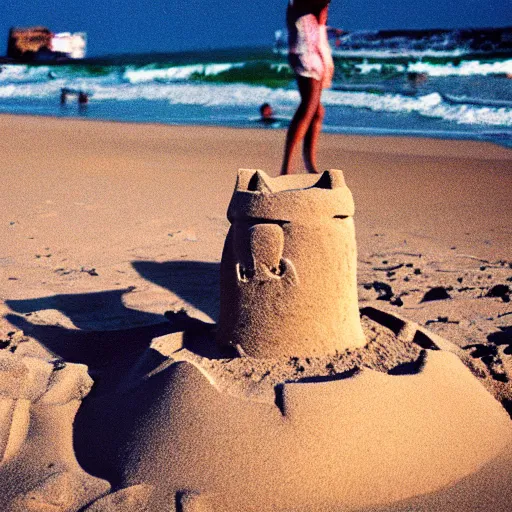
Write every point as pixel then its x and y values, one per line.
pixel 311 139
pixel 310 91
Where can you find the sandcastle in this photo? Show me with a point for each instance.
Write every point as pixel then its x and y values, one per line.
pixel 238 416
pixel 288 271
pixel 296 400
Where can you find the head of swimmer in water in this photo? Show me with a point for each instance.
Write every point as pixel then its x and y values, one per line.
pixel 266 111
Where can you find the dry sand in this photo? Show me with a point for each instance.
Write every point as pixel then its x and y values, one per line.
pixel 107 226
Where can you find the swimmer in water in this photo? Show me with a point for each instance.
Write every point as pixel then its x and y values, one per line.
pixel 267 114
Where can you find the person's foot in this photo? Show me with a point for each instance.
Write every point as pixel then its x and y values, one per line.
pixel 310 167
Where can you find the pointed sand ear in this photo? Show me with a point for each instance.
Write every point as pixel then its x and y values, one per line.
pixel 333 178
pixel 259 183
pixel 252 180
pixel 243 178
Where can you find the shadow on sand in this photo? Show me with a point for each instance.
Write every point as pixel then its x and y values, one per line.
pixel 108 353
pixel 196 282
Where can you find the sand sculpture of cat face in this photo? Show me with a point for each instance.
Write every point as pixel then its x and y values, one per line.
pixel 288 271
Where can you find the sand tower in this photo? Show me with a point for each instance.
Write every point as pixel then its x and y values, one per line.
pixel 288 272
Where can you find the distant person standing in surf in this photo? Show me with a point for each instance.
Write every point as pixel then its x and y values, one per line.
pixel 310 57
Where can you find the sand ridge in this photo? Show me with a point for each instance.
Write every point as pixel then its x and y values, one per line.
pixel 257 379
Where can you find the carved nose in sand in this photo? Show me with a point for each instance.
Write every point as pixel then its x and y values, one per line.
pixel 288 271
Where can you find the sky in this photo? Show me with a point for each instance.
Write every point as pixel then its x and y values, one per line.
pixel 130 26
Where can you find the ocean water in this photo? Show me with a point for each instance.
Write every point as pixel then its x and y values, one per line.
pixel 433 97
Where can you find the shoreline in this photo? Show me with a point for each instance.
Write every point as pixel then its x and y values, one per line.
pixel 498 135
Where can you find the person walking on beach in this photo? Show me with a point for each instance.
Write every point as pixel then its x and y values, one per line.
pixel 310 57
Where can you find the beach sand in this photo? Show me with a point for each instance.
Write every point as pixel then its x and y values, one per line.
pixel 106 226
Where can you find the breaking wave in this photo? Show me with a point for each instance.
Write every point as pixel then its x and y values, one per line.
pixel 187 93
pixel 272 72
pixel 463 68
pixel 430 105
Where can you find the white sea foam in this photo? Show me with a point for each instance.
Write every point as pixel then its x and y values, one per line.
pixel 465 68
pixel 171 73
pixel 430 105
pixel 22 73
pixel 366 68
